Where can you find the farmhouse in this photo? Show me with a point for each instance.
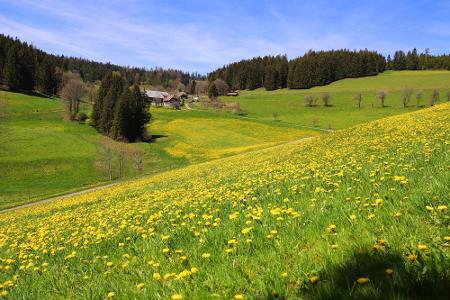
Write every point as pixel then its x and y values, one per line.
pixel 159 98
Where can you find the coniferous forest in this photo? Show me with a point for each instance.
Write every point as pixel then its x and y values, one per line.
pixel 23 67
pixel 317 68
pixel 120 111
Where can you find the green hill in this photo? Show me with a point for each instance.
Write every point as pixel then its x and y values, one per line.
pixel 289 105
pixel 360 213
pixel 43 155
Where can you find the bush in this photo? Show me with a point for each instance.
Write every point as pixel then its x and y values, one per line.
pixel 310 100
pixel 82 117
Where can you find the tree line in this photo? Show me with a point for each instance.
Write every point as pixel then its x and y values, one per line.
pixel 316 68
pixel 23 67
pixel 412 60
pixel 268 71
pixel 312 69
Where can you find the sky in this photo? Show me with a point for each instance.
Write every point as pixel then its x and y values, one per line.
pixel 200 36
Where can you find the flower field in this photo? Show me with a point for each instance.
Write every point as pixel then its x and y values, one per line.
pixel 360 213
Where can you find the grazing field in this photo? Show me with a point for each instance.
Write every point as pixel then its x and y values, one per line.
pixel 360 213
pixel 43 155
pixel 289 105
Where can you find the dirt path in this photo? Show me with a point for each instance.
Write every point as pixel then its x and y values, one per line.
pixel 51 199
pixel 68 195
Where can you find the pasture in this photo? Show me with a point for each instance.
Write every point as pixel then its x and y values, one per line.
pixel 288 106
pixel 360 213
pixel 42 155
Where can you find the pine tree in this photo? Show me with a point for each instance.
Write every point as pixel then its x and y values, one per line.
pixel 11 71
pixel 212 91
pixel 131 116
pixel 45 77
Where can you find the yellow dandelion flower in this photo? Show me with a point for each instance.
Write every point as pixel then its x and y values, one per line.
pixel 109 264
pixel 314 279
pixel 156 276
pixel 194 270
pixel 110 295
pixel 362 280
pixel 412 257
pixel 165 250
pixel 442 208
pixel 422 247
pixel 140 286
pixel 206 255
pixel 389 271
pixel 429 208
pixel 331 228
pixel 284 274
pixel 177 297
pixel 246 230
pixel 238 297
pixel 232 242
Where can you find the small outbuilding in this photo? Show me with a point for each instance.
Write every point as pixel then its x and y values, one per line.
pixel 233 93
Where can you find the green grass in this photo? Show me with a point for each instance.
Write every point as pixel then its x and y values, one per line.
pixel 290 108
pixel 42 155
pixel 302 220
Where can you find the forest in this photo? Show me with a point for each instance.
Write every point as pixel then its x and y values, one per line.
pixel 317 68
pixel 23 67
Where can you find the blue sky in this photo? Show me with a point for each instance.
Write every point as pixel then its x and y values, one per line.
pixel 203 35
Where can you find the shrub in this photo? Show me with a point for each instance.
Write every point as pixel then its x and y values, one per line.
pixel 326 99
pixel 310 100
pixel 82 117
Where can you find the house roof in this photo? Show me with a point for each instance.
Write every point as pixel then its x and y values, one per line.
pixel 180 94
pixel 157 94
pixel 169 98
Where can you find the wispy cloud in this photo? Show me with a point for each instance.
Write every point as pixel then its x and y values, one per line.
pixel 201 35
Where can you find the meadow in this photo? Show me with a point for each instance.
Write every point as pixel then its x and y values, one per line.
pixel 360 213
pixel 42 155
pixel 289 105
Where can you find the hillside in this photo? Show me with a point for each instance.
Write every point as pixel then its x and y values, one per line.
pixel 43 155
pixel 360 213
pixel 289 105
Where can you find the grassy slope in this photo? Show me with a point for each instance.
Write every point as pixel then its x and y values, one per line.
pixel 42 155
pixel 289 104
pixel 336 208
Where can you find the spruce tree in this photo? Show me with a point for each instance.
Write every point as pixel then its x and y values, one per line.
pixel 212 91
pixel 45 77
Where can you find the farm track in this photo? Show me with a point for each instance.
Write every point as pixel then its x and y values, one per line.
pixel 83 191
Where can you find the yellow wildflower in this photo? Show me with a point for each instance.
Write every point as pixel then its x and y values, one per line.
pixel 140 286
pixel 362 280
